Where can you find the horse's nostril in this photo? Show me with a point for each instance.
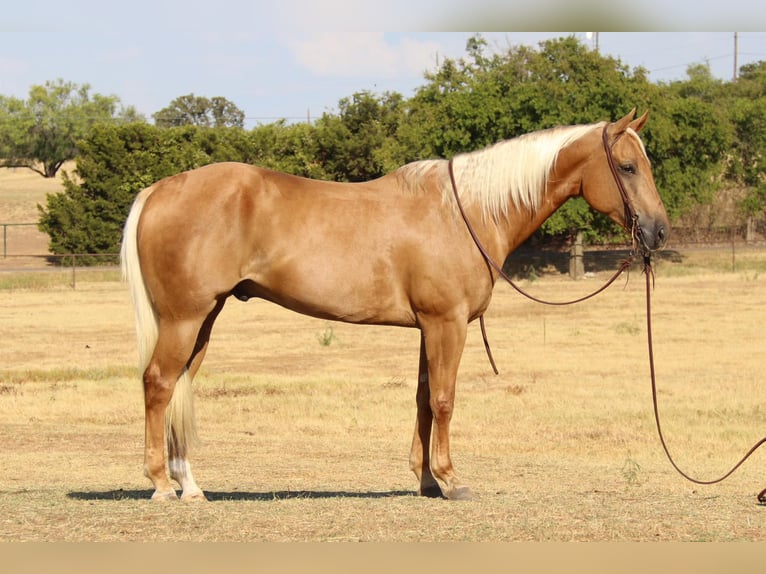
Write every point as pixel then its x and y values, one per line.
pixel 661 234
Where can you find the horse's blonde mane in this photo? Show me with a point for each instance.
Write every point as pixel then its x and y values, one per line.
pixel 513 171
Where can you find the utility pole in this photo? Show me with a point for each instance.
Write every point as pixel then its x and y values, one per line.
pixel 736 38
pixel 593 36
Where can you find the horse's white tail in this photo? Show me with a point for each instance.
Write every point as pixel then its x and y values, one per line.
pixel 180 424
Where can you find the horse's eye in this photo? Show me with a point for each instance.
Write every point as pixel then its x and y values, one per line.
pixel 628 168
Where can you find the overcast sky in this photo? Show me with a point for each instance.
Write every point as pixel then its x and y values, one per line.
pixel 292 58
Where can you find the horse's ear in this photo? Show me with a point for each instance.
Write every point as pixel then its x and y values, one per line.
pixel 616 129
pixel 638 124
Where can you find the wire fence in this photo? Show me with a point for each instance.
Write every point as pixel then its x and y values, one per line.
pixel 18 271
pixel 24 252
pixel 13 226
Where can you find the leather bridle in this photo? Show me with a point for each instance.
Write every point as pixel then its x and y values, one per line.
pixel 631 217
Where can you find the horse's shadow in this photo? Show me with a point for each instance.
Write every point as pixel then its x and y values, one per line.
pixel 220 496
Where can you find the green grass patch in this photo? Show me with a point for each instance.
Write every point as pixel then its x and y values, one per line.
pixel 627 328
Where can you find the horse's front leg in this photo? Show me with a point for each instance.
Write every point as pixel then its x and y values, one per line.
pixel 444 342
pixel 421 439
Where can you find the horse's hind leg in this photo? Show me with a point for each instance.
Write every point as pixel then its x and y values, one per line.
pixel 178 462
pixel 421 439
pixel 175 347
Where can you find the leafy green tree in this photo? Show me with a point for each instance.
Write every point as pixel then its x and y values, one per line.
pixel 458 109
pixel 747 111
pixel 191 110
pixel 359 143
pixel 688 139
pixel 291 148
pixel 43 131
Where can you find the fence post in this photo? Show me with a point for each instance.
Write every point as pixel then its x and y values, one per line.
pixel 576 265
pixel 750 229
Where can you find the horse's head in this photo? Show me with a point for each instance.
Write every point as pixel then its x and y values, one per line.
pixel 619 183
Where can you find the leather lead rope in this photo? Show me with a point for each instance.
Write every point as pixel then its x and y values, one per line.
pixel 761 495
pixel 486 345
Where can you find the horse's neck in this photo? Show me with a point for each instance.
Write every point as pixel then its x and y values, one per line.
pixel 501 233
pixel 521 222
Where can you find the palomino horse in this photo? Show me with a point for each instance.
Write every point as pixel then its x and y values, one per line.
pixel 393 251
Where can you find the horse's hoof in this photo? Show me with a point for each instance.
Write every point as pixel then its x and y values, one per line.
pixel 431 492
pixel 196 496
pixel 159 496
pixel 461 493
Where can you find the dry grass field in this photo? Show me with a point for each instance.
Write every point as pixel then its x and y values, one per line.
pixel 306 425
pixel 21 190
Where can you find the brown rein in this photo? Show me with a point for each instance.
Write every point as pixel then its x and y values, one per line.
pixel 630 215
pixel 756 446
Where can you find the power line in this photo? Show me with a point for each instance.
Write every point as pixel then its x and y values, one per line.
pixel 687 64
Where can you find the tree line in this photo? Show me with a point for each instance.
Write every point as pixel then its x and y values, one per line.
pixel 704 134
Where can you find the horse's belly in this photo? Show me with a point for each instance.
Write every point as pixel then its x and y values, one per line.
pixel 350 293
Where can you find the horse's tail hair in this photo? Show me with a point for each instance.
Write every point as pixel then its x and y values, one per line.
pixel 180 426
pixel 146 318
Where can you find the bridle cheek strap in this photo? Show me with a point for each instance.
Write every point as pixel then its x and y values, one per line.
pixel 630 216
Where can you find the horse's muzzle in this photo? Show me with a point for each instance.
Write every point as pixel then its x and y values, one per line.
pixel 653 235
